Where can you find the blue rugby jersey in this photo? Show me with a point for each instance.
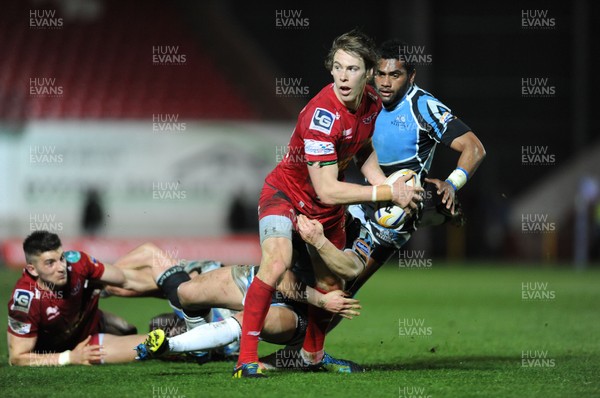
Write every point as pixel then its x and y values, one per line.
pixel 406 136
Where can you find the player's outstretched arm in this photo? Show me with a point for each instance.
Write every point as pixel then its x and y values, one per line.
pixel 472 154
pixel 344 264
pixel 138 266
pixel 335 301
pixel 20 353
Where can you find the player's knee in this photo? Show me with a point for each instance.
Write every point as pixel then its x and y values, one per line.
pixel 150 247
pixel 185 294
pixel 272 271
pixel 190 296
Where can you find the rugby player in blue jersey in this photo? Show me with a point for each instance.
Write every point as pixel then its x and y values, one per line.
pixel 407 131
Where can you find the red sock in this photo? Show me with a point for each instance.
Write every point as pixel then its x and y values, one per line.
pixel 256 307
pixel 318 321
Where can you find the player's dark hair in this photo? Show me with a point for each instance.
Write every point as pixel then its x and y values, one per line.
pixel 356 43
pixel 39 242
pixel 396 49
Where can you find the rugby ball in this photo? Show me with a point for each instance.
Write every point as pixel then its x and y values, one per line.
pixel 389 215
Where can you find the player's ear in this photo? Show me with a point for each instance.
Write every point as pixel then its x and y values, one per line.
pixel 31 269
pixel 411 78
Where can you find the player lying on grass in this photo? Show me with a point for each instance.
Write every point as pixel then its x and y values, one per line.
pixel 195 291
pixel 286 319
pixel 53 315
pixel 227 289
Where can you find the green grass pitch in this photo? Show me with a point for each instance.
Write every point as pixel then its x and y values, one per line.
pixel 446 331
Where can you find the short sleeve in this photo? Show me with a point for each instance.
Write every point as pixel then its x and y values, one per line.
pixel 319 134
pixel 88 266
pixel 21 314
pixel 438 120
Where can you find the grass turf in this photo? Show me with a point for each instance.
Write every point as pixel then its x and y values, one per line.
pixel 447 331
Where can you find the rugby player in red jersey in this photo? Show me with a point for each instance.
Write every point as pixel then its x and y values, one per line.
pixel 53 315
pixel 334 128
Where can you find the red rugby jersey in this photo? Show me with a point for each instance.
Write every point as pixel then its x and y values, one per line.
pixel 60 319
pixel 326 131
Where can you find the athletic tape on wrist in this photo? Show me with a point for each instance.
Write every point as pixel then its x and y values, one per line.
pixel 458 178
pixel 64 358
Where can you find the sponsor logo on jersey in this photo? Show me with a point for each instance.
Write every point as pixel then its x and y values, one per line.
pixel 314 147
pixel 18 327
pixel 385 236
pixel 21 300
pixel 400 121
pixel 72 256
pixel 446 117
pixel 322 120
pixel 52 312
pixel 347 134
pixel 439 111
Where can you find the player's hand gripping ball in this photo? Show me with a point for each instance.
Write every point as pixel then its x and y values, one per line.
pixel 389 215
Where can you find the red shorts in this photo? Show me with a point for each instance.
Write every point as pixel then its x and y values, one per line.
pixel 274 202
